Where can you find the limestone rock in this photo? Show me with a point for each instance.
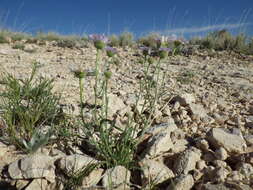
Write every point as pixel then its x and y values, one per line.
pixel 249 139
pixel 40 184
pixel 115 104
pixel 115 177
pixel 219 137
pixel 197 111
pixel 75 162
pixel 221 153
pixel 182 182
pixel 93 178
pixel 184 99
pixel 186 161
pixel 158 144
pixel 219 186
pixel 155 171
pixel 164 127
pixel 33 166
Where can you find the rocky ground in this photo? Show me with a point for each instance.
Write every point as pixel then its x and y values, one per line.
pixel 203 139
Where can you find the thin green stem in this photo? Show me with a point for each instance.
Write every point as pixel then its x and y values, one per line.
pixel 81 97
pixel 96 83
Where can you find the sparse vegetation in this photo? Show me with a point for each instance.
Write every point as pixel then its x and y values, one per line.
pixel 33 115
pixel 223 40
pixel 126 39
pixel 28 104
pixel 20 46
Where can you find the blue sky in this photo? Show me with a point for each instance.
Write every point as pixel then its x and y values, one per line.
pixel 180 17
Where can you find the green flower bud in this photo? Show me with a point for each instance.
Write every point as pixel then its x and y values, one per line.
pixel 108 74
pixel 79 74
pixel 151 60
pixel 99 44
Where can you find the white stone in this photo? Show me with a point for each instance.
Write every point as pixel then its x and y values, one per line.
pixel 184 99
pixel 182 182
pixel 158 144
pixel 219 137
pixel 116 176
pixel 155 171
pixel 40 184
pixel 33 166
pixel 186 161
pixel 93 178
pixel 221 153
pixel 75 162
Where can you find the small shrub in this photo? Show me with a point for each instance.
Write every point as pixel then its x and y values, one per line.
pixel 150 40
pixel 3 39
pixel 114 41
pixel 27 104
pixel 66 43
pixel 18 46
pixel 126 39
pixel 50 36
pixel 18 36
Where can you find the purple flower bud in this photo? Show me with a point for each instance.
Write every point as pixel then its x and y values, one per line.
pixel 99 40
pixel 163 52
pixel 110 51
pixel 145 50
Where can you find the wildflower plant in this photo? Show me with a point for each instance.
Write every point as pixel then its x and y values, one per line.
pixel 27 105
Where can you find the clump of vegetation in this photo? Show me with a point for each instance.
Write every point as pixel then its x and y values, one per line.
pixel 223 40
pixel 50 36
pixel 114 41
pixel 20 46
pixel 126 39
pixel 186 77
pixel 150 40
pixel 27 105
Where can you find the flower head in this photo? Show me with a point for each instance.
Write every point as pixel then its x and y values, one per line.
pixel 145 50
pixel 99 40
pixel 163 52
pixel 158 41
pixel 110 51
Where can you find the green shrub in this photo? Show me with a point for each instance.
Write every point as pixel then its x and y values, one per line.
pixel 18 36
pixel 69 43
pixel 27 104
pixel 50 36
pixel 18 46
pixel 114 41
pixel 126 39
pixel 150 40
pixel 3 39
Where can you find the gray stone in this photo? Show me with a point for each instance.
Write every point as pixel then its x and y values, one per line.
pixel 115 104
pixel 93 178
pixel 164 127
pixel 33 166
pixel 184 99
pixel 40 184
pixel 249 139
pixel 221 153
pixel 219 186
pixel 182 182
pixel 219 137
pixel 155 171
pixel 158 144
pixel 249 122
pixel 115 177
pixel 251 110
pixel 197 111
pixel 245 169
pixel 75 162
pixel 186 161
